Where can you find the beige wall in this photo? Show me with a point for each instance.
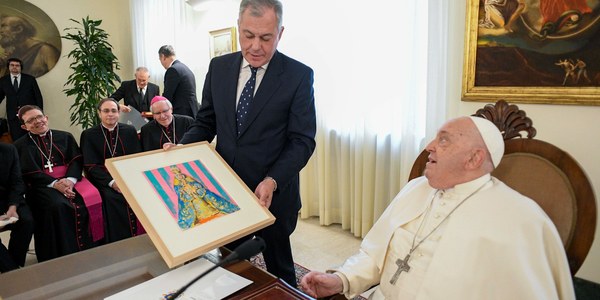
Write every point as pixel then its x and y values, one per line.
pixel 571 128
pixel 115 21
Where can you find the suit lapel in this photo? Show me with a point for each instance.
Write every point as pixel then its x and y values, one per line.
pixel 267 88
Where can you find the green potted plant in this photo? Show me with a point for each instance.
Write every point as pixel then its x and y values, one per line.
pixel 93 66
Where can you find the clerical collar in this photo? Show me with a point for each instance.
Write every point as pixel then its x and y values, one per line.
pixel 468 187
pixel 110 129
pixel 43 134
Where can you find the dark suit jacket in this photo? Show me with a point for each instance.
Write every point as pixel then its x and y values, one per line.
pixel 12 187
pixel 28 93
pixel 278 137
pixel 129 91
pixel 180 89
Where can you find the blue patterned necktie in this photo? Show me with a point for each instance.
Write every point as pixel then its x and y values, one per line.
pixel 245 100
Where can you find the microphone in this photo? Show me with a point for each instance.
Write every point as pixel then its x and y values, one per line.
pixel 246 250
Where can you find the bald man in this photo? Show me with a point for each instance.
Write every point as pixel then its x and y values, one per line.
pixel 456 233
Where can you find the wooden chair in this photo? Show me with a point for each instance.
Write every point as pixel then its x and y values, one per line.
pixel 544 173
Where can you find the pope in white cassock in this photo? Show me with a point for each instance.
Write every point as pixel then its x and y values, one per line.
pixel 456 233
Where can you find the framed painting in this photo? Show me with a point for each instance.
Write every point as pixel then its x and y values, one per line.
pixel 29 34
pixel 188 200
pixel 532 51
pixel 223 41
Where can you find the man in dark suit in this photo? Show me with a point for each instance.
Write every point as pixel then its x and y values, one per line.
pixel 180 83
pixel 12 204
pixel 137 92
pixel 19 89
pixel 274 135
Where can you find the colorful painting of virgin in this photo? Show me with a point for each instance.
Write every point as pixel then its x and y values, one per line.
pixel 190 193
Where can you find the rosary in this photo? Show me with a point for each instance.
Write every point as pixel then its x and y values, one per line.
pixel 49 163
pixel 114 149
pixel 402 264
pixel 174 141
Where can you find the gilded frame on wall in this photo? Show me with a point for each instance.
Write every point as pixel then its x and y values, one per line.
pixel 532 51
pixel 188 199
pixel 223 41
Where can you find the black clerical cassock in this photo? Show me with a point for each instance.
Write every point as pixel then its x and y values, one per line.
pixel 98 144
pixel 61 224
pixel 153 135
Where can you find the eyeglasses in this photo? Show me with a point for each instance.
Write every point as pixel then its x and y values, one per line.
pixel 14 65
pixel 35 119
pixel 106 110
pixel 161 112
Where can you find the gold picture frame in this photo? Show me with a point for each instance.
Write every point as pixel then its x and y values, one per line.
pixel 223 41
pixel 524 53
pixel 188 200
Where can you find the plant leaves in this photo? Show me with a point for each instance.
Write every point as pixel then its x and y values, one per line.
pixel 93 66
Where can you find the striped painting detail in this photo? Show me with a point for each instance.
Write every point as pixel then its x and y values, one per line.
pixel 161 180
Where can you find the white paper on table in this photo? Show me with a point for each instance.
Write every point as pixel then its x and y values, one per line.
pixel 218 284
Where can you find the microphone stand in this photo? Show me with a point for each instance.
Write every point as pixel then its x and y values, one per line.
pixel 244 251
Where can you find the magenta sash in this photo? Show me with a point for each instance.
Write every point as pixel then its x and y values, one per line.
pixel 140 228
pixel 92 200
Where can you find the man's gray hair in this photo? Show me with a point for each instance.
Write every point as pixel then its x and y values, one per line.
pixel 142 69
pixel 257 8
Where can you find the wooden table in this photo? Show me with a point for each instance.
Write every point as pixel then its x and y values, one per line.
pixel 103 271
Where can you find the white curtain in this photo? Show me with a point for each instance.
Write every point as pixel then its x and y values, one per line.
pixel 380 73
pixel 385 97
pixel 163 22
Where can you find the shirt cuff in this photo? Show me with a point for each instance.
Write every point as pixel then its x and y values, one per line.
pixel 51 185
pixel 110 184
pixel 274 181
pixel 345 282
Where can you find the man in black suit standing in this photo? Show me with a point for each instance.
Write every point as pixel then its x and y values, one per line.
pixel 273 136
pixel 137 92
pixel 180 83
pixel 19 89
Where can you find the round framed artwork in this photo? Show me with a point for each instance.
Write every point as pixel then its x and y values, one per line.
pixel 28 33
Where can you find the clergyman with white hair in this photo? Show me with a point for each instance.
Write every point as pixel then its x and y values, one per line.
pixel 456 233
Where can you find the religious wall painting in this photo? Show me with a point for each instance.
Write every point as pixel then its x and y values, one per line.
pixel 29 34
pixel 190 193
pixel 533 51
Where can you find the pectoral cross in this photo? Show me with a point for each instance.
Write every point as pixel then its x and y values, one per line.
pixel 402 267
pixel 49 166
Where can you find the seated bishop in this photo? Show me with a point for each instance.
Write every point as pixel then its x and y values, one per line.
pixel 58 196
pixel 106 140
pixel 166 127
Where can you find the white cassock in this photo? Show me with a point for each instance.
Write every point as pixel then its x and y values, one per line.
pixel 497 244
